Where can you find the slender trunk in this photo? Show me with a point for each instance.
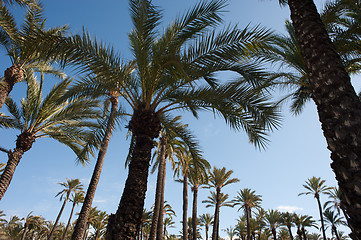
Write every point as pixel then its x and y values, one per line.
pixel 321 215
pixel 248 222
pixel 338 106
pixel 124 224
pixel 81 223
pixel 13 161
pixel 194 212
pixel 216 216
pixel 274 233
pixel 69 221
pixel 304 233
pixel 290 231
pixel 12 75
pixel 160 232
pixel 185 206
pixel 207 228
pixel 158 192
pixel 299 233
pixel 25 230
pixel 58 218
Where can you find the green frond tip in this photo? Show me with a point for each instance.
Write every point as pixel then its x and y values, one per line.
pixel 283 3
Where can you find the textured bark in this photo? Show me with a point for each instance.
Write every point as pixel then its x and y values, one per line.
pixel 81 223
pixel 321 215
pixel 58 218
pixel 158 193
pixel 160 226
pixel 185 206
pixel 216 217
pixel 124 224
pixel 12 75
pixel 207 228
pixel 248 211
pixel 338 106
pixel 69 221
pixel 194 212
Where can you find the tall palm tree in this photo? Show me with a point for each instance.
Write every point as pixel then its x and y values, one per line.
pixel 316 186
pixel 334 202
pixel 273 219
pixel 287 221
pixel 219 178
pixel 198 178
pixel 29 47
pixel 248 199
pixel 333 219
pixel 77 198
pixel 206 220
pixel 174 70
pixel 68 122
pixel 70 186
pixel 337 104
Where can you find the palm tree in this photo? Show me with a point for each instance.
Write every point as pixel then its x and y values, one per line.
pixel 333 219
pixel 77 198
pixel 170 72
pixel 248 200
pixel 206 220
pixel 337 103
pixel 334 194
pixel 241 228
pixel 303 221
pixel 28 221
pixel 168 222
pixel 70 186
pixel 13 228
pixel 287 220
pixel 27 47
pixel 99 225
pixel 316 186
pixel 273 219
pixel 65 121
pixel 146 221
pixel 219 178
pixel 230 232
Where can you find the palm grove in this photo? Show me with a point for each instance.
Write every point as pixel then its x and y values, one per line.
pixel 175 69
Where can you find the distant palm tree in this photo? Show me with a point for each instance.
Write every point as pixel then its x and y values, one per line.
pixel 241 228
pixel 167 223
pixel 77 198
pixel 219 178
pixel 315 187
pixel 68 122
pixel 99 223
pixel 248 199
pixel 145 221
pixel 206 220
pixel 287 220
pixel 334 194
pixel 303 221
pixel 28 221
pixel 70 186
pixel 333 219
pixel 273 219
pixel 230 232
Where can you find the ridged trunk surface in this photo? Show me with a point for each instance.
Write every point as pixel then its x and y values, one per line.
pixel 12 75
pixel 58 218
pixel 321 216
pixel 185 207
pixel 158 193
pixel 194 213
pixel 124 224
pixel 69 221
pixel 338 106
pixel 160 226
pixel 81 223
pixel 215 231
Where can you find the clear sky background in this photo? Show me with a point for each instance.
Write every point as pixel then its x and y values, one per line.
pixel 297 151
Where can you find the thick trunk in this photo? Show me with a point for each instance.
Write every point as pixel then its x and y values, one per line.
pixel 338 106
pixel 216 217
pixel 69 221
pixel 321 215
pixel 12 75
pixel 248 222
pixel 194 212
pixel 290 232
pixel 81 223
pixel 58 218
pixel 160 228
pixel 13 161
pixel 124 224
pixel 185 206
pixel 158 192
pixel 25 230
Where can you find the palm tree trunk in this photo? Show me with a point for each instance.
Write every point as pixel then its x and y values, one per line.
pixel 304 233
pixel 274 233
pixel 185 206
pixel 25 230
pixel 160 232
pixel 58 218
pixel 69 221
pixel 207 232
pixel 334 230
pixel 321 215
pixel 12 75
pixel 13 161
pixel 194 212
pixel 337 104
pixel 216 217
pixel 124 224
pixel 290 232
pixel 81 223
pixel 299 233
pixel 158 192
pixel 248 222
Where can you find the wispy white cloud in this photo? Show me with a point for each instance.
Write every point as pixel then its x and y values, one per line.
pixel 289 208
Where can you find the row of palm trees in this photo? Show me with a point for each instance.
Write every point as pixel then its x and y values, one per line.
pixel 172 70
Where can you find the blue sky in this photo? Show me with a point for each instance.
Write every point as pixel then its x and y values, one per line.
pixel 297 151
